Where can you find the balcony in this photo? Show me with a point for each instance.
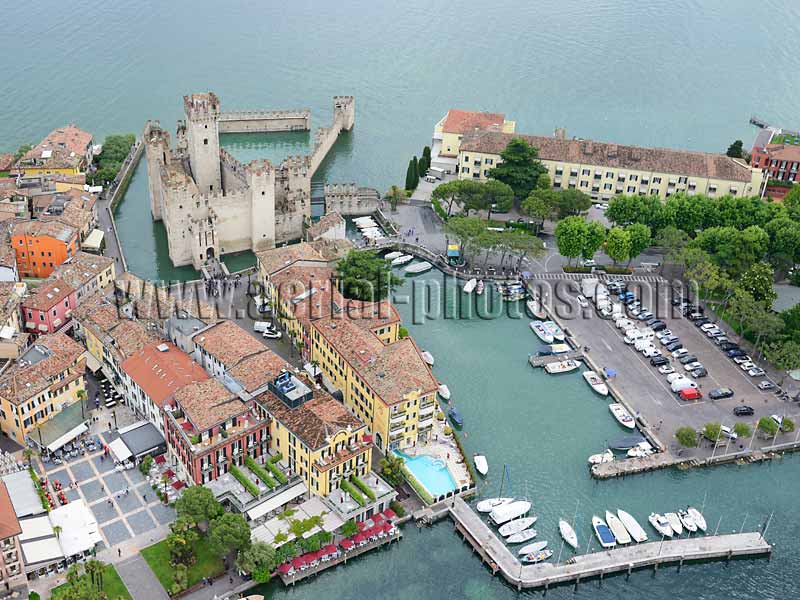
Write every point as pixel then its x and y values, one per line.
pixel 425 418
pixel 397 418
pixel 206 467
pixel 426 411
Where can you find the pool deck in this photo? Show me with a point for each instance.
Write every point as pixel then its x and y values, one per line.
pixel 597 564
pixel 445 449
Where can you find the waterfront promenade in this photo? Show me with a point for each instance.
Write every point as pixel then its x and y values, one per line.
pixel 598 564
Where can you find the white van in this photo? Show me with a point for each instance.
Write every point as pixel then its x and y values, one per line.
pixel 632 335
pixel 682 383
pixel 643 343
pixel 262 326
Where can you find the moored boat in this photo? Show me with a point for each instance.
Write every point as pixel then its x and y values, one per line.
pixel 687 521
pixel 427 357
pixel 627 442
pixel 535 309
pixel 603 533
pixel 455 417
pixel 507 512
pixel 622 416
pixel 564 366
pixel 470 285
pixel 402 260
pixel 568 533
pixel 533 548
pixel 444 391
pixel 541 331
pixel 393 255
pixel 632 525
pixel 603 457
pixel 596 382
pixel 522 536
pixel 555 330
pixel 674 522
pixel 481 465
pixel 489 504
pixel 617 528
pixel 698 518
pixel 537 556
pixel 553 349
pixel 516 526
pixel 661 524
pixel 480 287
pixel 418 268
pixel 640 450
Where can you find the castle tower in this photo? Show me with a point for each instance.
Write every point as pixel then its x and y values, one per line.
pixel 260 176
pixel 344 107
pixel 202 139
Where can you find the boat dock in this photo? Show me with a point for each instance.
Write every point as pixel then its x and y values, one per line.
pixel 541 361
pixel 598 564
pixel 631 466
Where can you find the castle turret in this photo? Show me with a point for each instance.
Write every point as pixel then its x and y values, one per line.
pixel 345 108
pixel 260 177
pixel 202 140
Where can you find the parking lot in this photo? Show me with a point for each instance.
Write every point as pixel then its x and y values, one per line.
pixel 648 392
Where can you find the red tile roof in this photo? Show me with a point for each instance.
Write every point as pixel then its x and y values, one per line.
pixel 464 121
pixel 783 152
pixel 208 403
pixel 48 295
pixel 160 374
pixel 68 138
pixel 228 343
pixel 9 525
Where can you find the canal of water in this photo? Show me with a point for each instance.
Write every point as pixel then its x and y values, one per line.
pixel 544 427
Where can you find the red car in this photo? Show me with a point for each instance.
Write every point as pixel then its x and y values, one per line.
pixel 690 393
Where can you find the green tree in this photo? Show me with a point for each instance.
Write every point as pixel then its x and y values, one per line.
pixel 742 430
pixel 182 540
pixel 258 558
pixel 410 182
pixel 498 196
pixel 787 425
pixel 520 168
pixel 538 205
pixel 229 533
pixel 712 431
pixel 742 309
pixel 570 203
pixel 784 242
pixel 392 469
pixel 350 528
pixel 785 355
pixel 767 426
pixel 595 236
pixel 395 195
pixel 449 192
pixel 415 163
pixel 704 276
pixel 145 465
pixel 22 151
pixel 673 241
pixel 198 504
pixel 735 150
pixel 618 244
pixel 467 231
pixel 571 237
pixel 543 182
pixel 687 437
pixel 180 578
pixel 363 275
pixel 522 245
pixel 640 237
pixel 758 280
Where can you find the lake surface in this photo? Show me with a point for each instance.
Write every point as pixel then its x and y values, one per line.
pixel 670 73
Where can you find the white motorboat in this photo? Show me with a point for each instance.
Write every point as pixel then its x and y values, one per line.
pixel 543 334
pixel 522 536
pixel 480 287
pixel 470 285
pixel 508 512
pixel 564 366
pixel 622 416
pixel 481 465
pixel 402 259
pixel 537 556
pixel 555 330
pixel 488 505
pixel 632 525
pixel 687 521
pixel 674 522
pixel 427 357
pixel 444 391
pixel 418 268
pixel 661 524
pixel 603 457
pixel 698 518
pixel 535 309
pixel 596 382
pixel 533 548
pixel 393 255
pixel 603 533
pixel 641 450
pixel 555 349
pixel 617 528
pixel 568 533
pixel 516 526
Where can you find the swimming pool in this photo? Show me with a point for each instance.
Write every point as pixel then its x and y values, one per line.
pixel 431 472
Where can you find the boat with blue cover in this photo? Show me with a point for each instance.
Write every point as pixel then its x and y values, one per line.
pixel 603 533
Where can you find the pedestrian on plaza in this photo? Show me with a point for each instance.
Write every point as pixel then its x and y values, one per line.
pixel 144 497
pixel 230 579
pixel 119 552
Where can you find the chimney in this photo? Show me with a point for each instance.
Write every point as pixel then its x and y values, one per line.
pixel 588 147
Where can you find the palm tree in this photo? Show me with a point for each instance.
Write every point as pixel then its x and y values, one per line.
pixel 57 530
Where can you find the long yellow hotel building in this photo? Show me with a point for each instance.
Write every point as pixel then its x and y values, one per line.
pixel 603 170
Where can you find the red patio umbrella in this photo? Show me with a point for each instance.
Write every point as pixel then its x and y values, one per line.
pixel 346 543
pixel 160 459
pixel 377 518
pixel 389 514
pixel 178 484
pixel 361 525
pixel 284 568
pixel 298 562
pixel 169 473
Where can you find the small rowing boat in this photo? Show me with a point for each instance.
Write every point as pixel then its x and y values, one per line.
pixel 541 331
pixel 516 526
pixel 418 268
pixel 622 416
pixel 564 366
pixel 444 391
pixel 555 330
pixel 533 548
pixel 488 505
pixel 393 255
pixel 555 349
pixel 402 260
pixel 481 465
pixel 455 417
pixel 568 533
pixel 470 285
pixel 595 382
pixel 522 536
pixel 535 309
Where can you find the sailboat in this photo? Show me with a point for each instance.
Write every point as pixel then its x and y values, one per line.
pixel 508 512
pixel 522 536
pixel 632 525
pixel 489 504
pixel 568 533
pixel 617 528
pixel 537 557
pixel 533 548
pixel 516 526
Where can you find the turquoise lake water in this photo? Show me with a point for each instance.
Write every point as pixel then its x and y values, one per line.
pixel 670 73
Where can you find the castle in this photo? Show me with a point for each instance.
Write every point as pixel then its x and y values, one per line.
pixel 211 204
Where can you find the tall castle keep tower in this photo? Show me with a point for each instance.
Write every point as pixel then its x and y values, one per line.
pixel 210 203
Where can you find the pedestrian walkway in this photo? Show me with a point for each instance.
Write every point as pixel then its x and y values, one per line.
pixel 559 275
pixel 226 586
pixel 139 579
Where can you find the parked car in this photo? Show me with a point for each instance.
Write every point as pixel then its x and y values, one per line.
pixel 691 366
pixel 680 352
pixel 777 419
pixel 690 394
pixel 727 432
pixel 766 385
pixel 649 322
pixel 670 339
pixel 756 372
pixel 687 358
pixel 624 324
pixel 663 333
pixel 721 340
pixel 734 352
pixel 707 326
pixel 651 352
pixel 744 411
pixel 702 321
pixel 672 346
pixel 747 365
pixel 720 393
pixel 658 361
pixel 582 301
pixel 742 359
pixel 695 316
pixel 698 373
pixel 644 315
pixel 666 369
pixel 658 325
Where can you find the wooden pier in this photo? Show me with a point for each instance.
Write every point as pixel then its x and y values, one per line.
pixel 631 466
pixel 597 564
pixel 541 361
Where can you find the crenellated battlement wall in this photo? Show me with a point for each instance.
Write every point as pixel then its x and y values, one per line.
pixel 350 200
pixel 264 121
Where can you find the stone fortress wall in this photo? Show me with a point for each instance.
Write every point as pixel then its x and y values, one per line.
pixel 210 203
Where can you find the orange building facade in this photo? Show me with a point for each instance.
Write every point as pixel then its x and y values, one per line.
pixel 42 246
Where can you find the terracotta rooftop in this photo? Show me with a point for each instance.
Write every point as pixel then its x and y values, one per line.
pixel 332 250
pixel 783 152
pixel 392 371
pixel 587 152
pixel 48 295
pixel 162 368
pixel 120 335
pixel 78 210
pixel 313 421
pixel 464 121
pixel 155 303
pixel 325 223
pixel 6 161
pixel 208 403
pixel 50 227
pixel 23 381
pixel 68 139
pixel 227 342
pixel 9 524
pixel 257 370
pixel 9 300
pixel 82 268
pixel 275 259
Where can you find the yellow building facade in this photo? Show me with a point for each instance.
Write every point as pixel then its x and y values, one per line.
pixel 602 170
pixel 457 123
